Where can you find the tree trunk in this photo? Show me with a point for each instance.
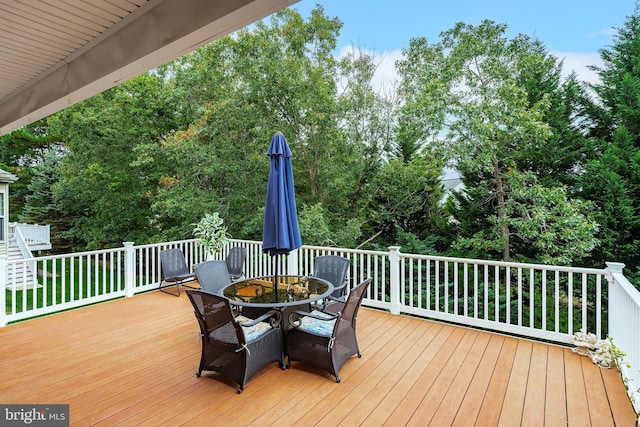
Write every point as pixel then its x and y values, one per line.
pixel 502 213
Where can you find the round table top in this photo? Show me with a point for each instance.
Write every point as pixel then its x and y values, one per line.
pixel 292 291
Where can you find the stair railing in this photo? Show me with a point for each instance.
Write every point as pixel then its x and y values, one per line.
pixel 26 252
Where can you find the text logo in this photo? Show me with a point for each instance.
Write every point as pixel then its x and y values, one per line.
pixel 34 415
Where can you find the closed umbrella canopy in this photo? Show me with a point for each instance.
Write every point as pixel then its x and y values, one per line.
pixel 280 232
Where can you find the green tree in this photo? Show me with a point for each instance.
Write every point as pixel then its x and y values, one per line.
pixel 101 191
pixel 477 87
pixel 612 178
pixel 40 207
pixel 20 151
pixel 558 229
pixel 277 75
pixel 405 197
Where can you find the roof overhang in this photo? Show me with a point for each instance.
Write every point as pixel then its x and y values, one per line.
pixel 151 33
pixel 7 177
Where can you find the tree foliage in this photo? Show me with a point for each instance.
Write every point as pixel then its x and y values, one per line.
pixel 550 175
pixel 612 178
pixel 491 98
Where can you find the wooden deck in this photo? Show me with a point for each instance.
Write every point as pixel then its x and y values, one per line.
pixel 133 361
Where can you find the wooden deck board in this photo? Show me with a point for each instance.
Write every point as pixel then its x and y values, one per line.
pixel 577 405
pixel 599 409
pixel 444 381
pixel 555 410
pixel 360 396
pixel 455 394
pixel 133 362
pixel 513 403
pixel 470 407
pixel 617 397
pixel 533 410
pixel 402 368
pixel 401 389
pixel 414 400
pixel 494 398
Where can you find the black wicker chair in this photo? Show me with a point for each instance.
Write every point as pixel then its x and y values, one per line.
pixel 235 347
pixel 334 269
pixel 173 270
pixel 326 340
pixel 213 276
pixel 235 262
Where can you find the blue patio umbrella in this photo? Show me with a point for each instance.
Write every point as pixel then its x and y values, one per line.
pixel 280 232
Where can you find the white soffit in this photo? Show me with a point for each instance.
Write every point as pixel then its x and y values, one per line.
pixel 55 53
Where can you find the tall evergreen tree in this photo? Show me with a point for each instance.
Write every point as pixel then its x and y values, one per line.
pixel 40 206
pixel 612 178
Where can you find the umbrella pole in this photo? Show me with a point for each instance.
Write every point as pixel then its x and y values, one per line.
pixel 275 278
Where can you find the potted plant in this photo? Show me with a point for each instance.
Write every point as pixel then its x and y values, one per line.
pixel 212 233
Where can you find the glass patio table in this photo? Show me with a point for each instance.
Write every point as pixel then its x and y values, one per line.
pixel 292 291
pixel 257 295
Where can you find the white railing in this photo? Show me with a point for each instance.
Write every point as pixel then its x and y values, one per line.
pixel 60 282
pixel 538 301
pixel 624 328
pixel 21 242
pixel 32 233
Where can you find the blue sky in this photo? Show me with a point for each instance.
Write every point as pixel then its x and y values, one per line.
pixel 573 30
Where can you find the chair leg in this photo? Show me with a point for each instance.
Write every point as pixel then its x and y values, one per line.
pixel 162 289
pixel 188 286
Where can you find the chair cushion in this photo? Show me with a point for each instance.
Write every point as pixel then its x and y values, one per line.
pixel 252 333
pixel 323 328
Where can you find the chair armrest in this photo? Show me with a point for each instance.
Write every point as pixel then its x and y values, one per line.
pixel 325 303
pixel 336 288
pixel 295 316
pixel 274 314
pixel 342 299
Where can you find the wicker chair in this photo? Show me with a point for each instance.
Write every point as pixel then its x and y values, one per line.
pixel 235 347
pixel 173 270
pixel 334 269
pixel 212 275
pixel 326 340
pixel 235 262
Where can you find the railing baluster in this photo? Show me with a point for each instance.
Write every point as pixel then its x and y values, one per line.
pixel 584 303
pixel 519 296
pixel 496 280
pixel 557 301
pixel 475 291
pixel 507 281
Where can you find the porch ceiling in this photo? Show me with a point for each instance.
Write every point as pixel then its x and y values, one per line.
pixel 59 52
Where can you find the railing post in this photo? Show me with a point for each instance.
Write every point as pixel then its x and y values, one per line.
pixel 292 263
pixel 612 267
pixel 129 269
pixel 3 290
pixel 394 286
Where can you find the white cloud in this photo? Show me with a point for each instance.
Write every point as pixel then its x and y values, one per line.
pixel 386 74
pixel 579 62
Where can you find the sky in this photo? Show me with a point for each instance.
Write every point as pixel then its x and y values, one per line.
pixel 572 30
